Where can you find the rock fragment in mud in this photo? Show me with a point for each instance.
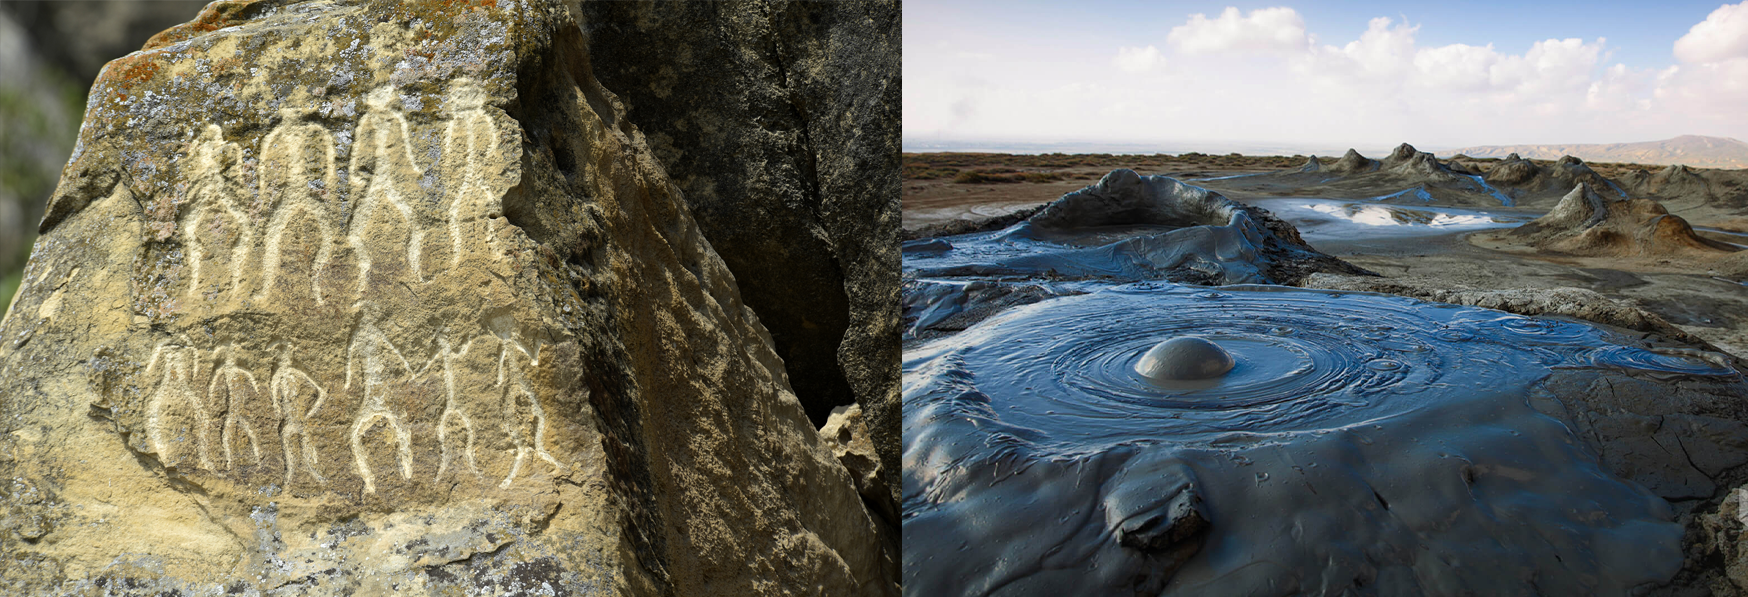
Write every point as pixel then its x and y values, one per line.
pixel 390 298
pixel 1360 441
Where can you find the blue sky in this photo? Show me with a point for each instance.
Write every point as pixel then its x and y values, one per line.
pixel 1437 75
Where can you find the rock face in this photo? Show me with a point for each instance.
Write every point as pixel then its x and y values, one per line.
pixel 369 298
pixel 780 121
pixel 1586 223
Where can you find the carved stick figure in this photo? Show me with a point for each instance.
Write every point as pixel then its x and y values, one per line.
pixel 292 140
pixel 451 409
pixel 214 196
pixel 472 135
pixel 516 389
pixel 376 166
pixel 376 349
pixel 284 387
pixel 180 364
pixel 226 377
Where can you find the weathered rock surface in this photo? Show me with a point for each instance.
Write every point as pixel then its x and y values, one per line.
pixel 780 121
pixel 1589 224
pixel 374 298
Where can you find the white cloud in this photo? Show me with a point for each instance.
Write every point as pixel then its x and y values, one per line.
pixel 1722 36
pixel 1138 60
pixel 1261 76
pixel 1550 66
pixel 1456 67
pixel 1264 29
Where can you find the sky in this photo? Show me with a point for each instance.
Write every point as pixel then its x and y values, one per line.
pixel 1360 74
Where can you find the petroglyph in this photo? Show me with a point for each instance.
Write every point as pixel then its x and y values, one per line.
pixel 291 143
pixel 286 386
pixel 382 165
pixel 470 144
pixel 180 366
pixel 451 409
pixel 213 199
pixel 227 378
pixel 375 348
pixel 516 389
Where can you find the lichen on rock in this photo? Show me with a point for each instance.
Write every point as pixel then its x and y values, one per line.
pixel 343 297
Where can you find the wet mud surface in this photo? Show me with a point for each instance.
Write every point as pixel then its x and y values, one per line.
pixel 1358 442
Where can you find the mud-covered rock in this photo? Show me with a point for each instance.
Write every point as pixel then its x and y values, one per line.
pixel 370 298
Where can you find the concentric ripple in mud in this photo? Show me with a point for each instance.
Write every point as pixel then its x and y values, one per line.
pixel 1360 442
pixel 1303 360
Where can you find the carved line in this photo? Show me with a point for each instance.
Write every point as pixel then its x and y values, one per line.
pixel 516 388
pixel 179 364
pixel 372 342
pixel 229 374
pixel 284 390
pixel 298 137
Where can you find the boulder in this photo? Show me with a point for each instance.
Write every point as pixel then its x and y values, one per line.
pixel 392 298
pixel 780 121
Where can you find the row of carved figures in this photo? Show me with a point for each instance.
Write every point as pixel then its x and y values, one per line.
pixel 176 367
pixel 383 174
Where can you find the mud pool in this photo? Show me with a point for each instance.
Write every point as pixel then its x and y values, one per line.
pixel 1081 417
pixel 1337 220
pixel 1358 440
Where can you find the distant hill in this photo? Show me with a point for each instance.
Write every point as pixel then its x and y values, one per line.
pixel 1688 150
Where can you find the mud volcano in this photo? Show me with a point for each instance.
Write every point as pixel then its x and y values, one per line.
pixel 1359 442
pixel 1132 227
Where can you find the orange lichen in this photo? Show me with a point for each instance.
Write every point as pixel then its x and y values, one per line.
pixel 214 17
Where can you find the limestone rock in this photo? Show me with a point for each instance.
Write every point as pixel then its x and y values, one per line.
pixel 374 298
pixel 780 121
pixel 846 434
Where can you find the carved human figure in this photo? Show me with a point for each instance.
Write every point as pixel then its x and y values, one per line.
pixel 470 148
pixel 285 387
pixel 452 410
pixel 227 379
pixel 213 198
pixel 382 166
pixel 517 389
pixel 180 365
pixel 284 165
pixel 371 346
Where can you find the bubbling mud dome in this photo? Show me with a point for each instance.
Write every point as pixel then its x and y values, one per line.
pixel 1263 440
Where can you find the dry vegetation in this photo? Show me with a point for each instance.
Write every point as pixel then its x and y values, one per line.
pixel 996 168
